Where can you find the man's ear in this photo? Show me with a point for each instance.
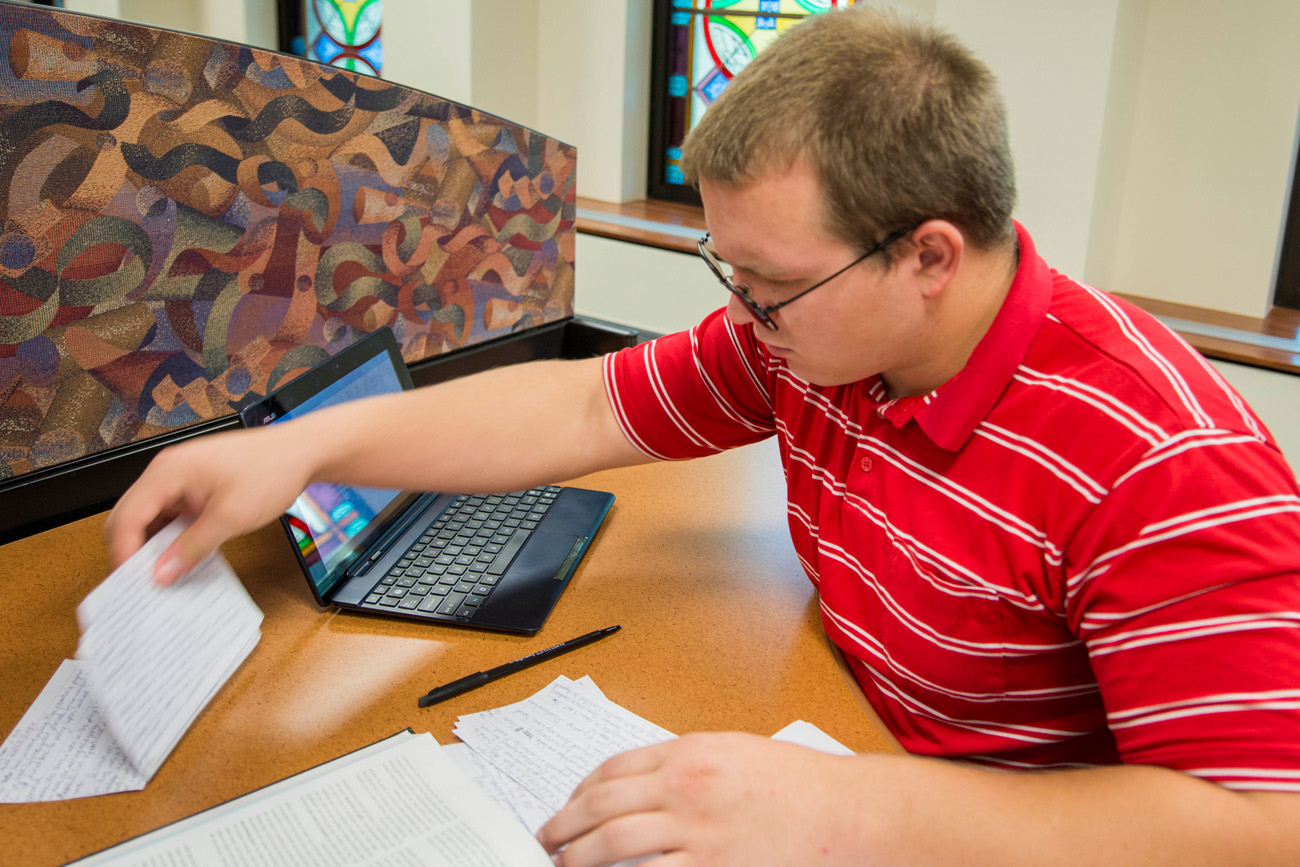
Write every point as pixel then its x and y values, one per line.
pixel 937 249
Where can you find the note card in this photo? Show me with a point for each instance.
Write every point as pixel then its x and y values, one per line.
pixel 155 656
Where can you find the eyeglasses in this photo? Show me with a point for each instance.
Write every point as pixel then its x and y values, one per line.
pixel 764 314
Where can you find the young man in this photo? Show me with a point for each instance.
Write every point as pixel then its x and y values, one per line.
pixel 1045 534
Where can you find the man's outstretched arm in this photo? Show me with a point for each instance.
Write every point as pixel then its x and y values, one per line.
pixel 501 430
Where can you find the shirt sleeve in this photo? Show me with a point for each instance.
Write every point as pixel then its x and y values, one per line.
pixel 1185 588
pixel 694 393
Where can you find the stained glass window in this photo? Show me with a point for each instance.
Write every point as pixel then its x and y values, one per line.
pixel 343 33
pixel 699 45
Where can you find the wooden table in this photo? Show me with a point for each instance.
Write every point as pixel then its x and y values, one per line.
pixel 720 632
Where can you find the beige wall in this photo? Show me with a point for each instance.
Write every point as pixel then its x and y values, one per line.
pixel 1053 60
pixel 479 52
pixel 106 8
pixel 252 22
pixel 1214 101
pixel 649 289
pixel 428 45
pixel 1153 138
pixel 593 90
pixel 577 70
pixel 1273 397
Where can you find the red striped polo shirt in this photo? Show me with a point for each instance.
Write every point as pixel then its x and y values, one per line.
pixel 1082 549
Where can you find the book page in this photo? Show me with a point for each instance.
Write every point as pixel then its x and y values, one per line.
pixel 403 803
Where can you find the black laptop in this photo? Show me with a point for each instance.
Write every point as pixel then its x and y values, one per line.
pixel 496 561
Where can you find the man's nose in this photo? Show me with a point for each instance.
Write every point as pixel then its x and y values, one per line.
pixel 738 313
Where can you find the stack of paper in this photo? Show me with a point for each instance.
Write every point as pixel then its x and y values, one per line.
pixel 149 660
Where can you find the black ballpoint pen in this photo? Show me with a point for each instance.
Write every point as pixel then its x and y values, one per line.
pixel 474 681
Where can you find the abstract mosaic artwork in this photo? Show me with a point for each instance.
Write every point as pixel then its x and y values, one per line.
pixel 189 223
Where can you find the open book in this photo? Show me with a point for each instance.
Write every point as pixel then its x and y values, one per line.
pixel 401 801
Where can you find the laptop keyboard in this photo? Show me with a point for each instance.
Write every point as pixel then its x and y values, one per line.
pixel 458 561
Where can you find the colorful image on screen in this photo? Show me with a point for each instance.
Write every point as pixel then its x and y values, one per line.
pixel 327 516
pixel 331 521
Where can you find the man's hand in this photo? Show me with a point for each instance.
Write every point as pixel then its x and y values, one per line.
pixel 502 430
pixel 732 799
pixel 714 799
pixel 228 484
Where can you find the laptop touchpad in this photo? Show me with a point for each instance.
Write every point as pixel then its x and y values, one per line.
pixel 546 558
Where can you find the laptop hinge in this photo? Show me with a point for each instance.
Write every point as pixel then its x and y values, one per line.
pixel 391 535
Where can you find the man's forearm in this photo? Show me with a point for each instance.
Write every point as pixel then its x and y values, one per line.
pixel 932 812
pixel 504 429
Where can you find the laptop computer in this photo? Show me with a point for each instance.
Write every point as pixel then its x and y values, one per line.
pixel 496 562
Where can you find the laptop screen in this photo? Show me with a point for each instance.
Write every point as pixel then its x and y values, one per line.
pixel 331 523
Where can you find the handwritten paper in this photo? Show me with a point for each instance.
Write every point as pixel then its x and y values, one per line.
pixel 62 748
pixel 155 656
pixel 548 743
pixel 149 660
pixel 501 788
pixel 529 756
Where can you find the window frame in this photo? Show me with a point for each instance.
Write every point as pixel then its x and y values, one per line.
pixel 1286 288
pixel 657 187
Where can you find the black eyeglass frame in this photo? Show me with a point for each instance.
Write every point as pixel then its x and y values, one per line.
pixel 764 314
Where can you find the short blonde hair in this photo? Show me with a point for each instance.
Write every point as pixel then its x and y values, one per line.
pixel 901 122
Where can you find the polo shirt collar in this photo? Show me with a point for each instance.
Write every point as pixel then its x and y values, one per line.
pixel 949 414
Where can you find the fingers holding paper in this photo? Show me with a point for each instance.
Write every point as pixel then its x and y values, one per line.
pixel 716 799
pixel 227 484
